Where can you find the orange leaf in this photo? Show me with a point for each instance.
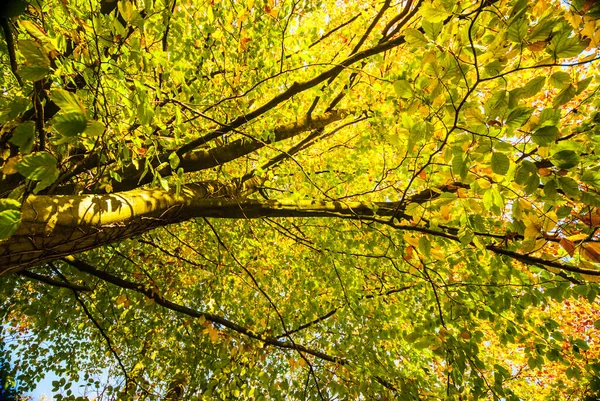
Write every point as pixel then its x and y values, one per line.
pixel 537 46
pixel 588 5
pixel 544 172
pixel 591 251
pixel 568 246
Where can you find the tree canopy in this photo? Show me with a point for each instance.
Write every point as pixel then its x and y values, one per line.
pixel 297 199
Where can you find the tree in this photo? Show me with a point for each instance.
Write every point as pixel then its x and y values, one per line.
pixel 297 200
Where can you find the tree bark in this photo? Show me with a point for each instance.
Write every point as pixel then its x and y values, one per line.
pixel 56 226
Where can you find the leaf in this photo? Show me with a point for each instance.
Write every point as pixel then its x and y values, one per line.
pixel 565 159
pixel 524 171
pixel 532 87
pixel 33 73
pixel 34 55
pixel 517 117
pixel 403 89
pixel 564 96
pixel 500 163
pixel 70 125
pixel 424 246
pixel 415 37
pixel 560 79
pixel 433 13
pixel 94 128
pixel 591 177
pixel 545 136
pixel 591 251
pixel 174 160
pixel 39 166
pixel 126 9
pixel 23 136
pixel 432 29
pixel 10 216
pixel 569 186
pixel 568 246
pixel 517 30
pixel 563 45
pixel 583 84
pixel 67 101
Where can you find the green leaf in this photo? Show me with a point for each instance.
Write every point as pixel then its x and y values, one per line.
pixel 549 116
pixel 591 177
pixel 23 136
pixel 174 160
pixel 460 165
pixel 33 73
pixel 564 96
pixel 67 101
pixel 39 166
pixel 524 171
pixel 415 37
pixel 432 29
pixel 583 84
pixel 10 216
pixel 70 125
pixel 560 79
pixel 565 159
pixel 94 128
pixel 590 199
pixel 550 188
pixel 518 117
pixel 126 9
pixel 34 53
pixel 425 246
pixel 497 103
pixel 563 45
pixel 517 30
pixel 545 135
pixel 403 89
pixel 500 163
pixel 532 87
pixel 465 235
pixel 494 68
pixel 569 186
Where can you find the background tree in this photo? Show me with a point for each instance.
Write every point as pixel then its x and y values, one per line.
pixel 298 200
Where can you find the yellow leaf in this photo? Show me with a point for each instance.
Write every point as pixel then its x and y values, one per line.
pixel 445 212
pixel 121 299
pixel 550 221
pixel 411 240
pixel 9 166
pixel 577 237
pixel 212 332
pixel 531 231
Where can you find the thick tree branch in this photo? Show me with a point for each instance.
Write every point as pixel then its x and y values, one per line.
pixel 56 226
pixel 10 44
pixel 205 159
pixel 53 282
